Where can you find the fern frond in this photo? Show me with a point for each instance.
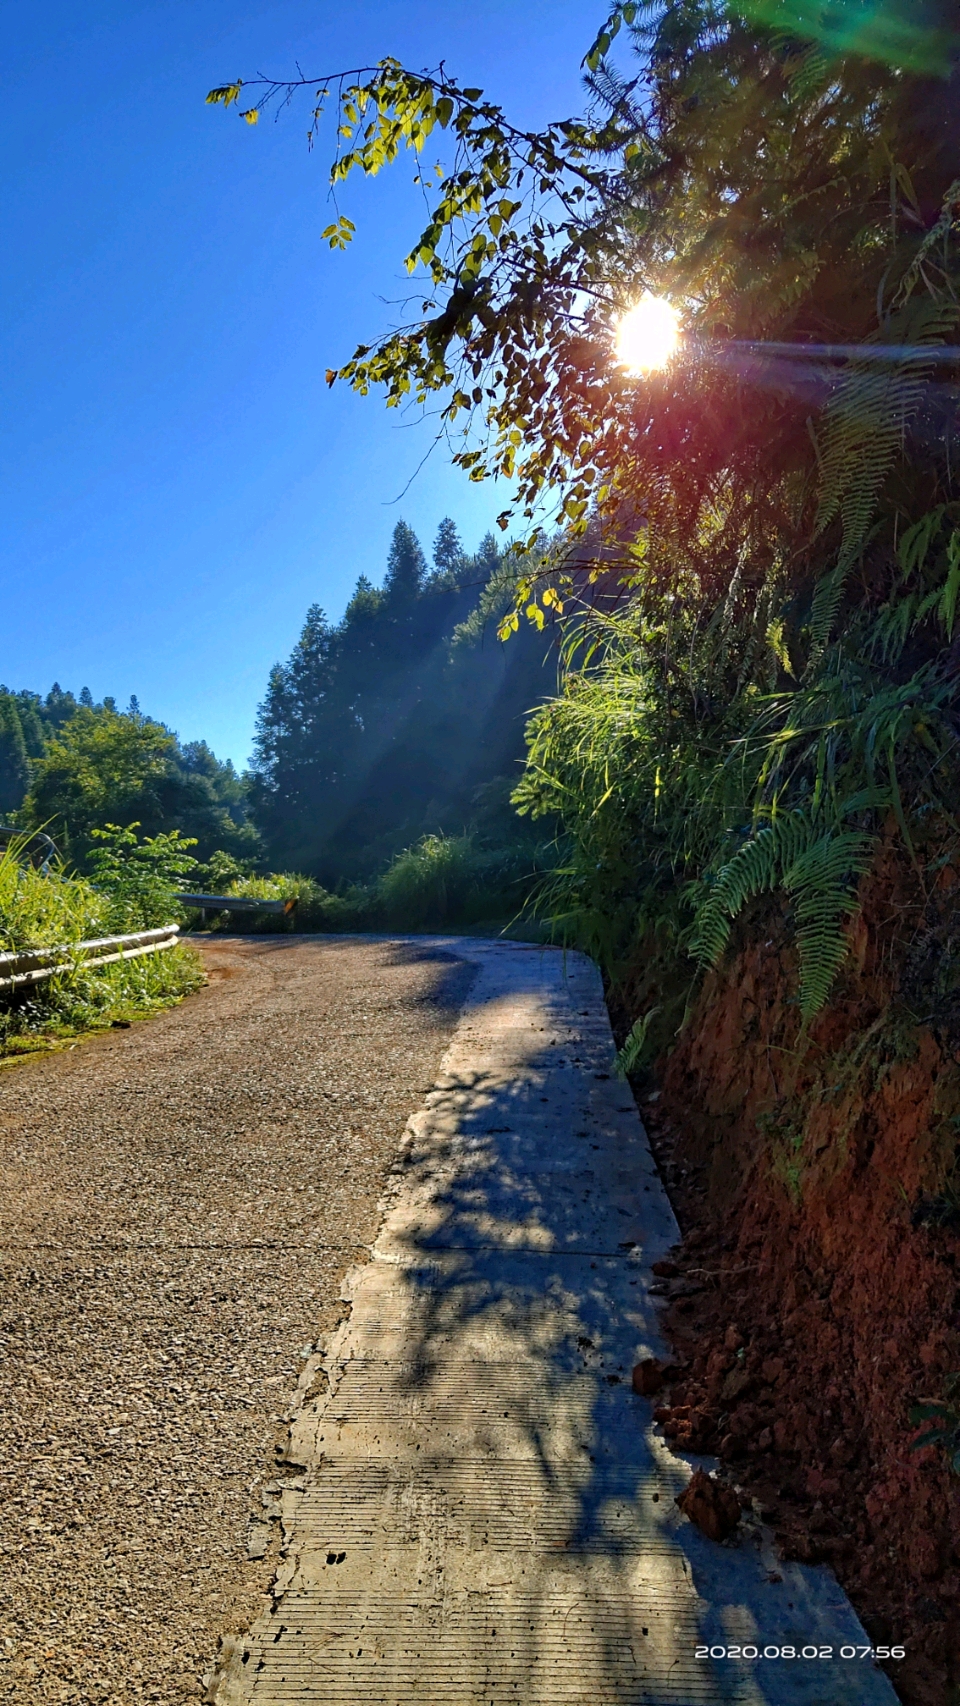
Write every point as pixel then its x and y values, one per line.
pixel 635 1043
pixel 947 608
pixel 932 240
pixel 863 426
pixel 817 869
pixel 827 598
pixel 820 881
pixel 806 69
pixel 892 627
pixel 915 543
pixel 755 868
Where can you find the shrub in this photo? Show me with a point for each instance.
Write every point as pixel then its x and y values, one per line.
pixel 430 882
pixel 139 880
pixel 448 879
pixel 440 882
pixel 357 907
pixel 46 909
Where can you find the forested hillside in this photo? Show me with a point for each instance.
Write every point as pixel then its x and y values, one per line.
pixel 70 766
pixel 403 719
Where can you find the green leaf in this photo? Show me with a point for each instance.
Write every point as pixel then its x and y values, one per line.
pixel 925 1412
pixel 340 233
pixel 948 602
pixel 606 36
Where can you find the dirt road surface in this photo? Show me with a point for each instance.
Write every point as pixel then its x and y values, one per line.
pixel 179 1203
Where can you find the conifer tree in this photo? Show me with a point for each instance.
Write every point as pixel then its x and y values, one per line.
pixel 406 566
pixel 383 726
pixel 448 554
pixel 13 756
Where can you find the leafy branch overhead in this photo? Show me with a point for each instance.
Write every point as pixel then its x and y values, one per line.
pixel 757 565
pixel 516 331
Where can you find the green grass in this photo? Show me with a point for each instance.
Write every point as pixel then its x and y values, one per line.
pixel 51 1013
pixel 42 911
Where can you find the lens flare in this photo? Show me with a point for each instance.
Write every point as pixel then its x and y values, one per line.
pixel 885 30
pixel 648 334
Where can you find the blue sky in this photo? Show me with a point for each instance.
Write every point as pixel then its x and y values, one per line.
pixel 178 482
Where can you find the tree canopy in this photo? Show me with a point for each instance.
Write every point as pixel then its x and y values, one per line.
pixel 382 727
pixel 70 766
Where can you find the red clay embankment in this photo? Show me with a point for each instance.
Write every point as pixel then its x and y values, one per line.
pixel 815 1298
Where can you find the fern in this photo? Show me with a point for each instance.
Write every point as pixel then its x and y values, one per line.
pixel 863 426
pixel 815 867
pixel 820 883
pixel 937 237
pixel 635 1044
pixel 754 869
pixel 930 573
pixel 947 605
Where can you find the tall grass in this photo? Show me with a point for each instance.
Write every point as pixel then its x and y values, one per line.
pixel 431 882
pixel 50 1013
pixel 40 910
pixel 450 880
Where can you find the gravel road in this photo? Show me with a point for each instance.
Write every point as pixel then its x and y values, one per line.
pixel 178 1205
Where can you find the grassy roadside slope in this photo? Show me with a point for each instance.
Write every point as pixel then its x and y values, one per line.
pixel 40 909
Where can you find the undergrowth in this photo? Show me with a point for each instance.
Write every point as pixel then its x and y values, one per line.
pixel 61 1008
pixel 441 882
pixel 132 889
pixel 42 911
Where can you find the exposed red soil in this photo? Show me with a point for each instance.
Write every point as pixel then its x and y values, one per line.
pixel 815 1297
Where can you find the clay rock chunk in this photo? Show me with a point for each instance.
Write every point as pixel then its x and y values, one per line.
pixel 712 1505
pixel 648 1377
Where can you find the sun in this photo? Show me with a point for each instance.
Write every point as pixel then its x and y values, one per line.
pixel 648 334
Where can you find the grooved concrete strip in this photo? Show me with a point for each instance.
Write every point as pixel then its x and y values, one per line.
pixel 484 1511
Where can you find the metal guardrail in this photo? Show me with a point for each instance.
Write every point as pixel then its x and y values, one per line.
pixel 37 847
pixel 32 965
pixel 236 903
